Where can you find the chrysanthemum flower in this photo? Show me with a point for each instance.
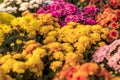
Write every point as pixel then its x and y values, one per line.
pixel 114 25
pixel 114 34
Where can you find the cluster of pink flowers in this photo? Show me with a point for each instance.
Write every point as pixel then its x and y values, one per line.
pixel 67 12
pixel 111 53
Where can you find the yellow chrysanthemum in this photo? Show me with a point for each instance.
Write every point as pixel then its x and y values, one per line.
pixel 5 58
pixel 5 28
pixel 95 37
pixel 1 36
pixel 58 56
pixel 49 39
pixel 39 52
pixel 67 47
pixel 19 67
pixel 56 64
pixel 7 66
pixel 5 18
pixel 101 44
pixel 18 41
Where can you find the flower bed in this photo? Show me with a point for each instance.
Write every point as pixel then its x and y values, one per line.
pixel 59 40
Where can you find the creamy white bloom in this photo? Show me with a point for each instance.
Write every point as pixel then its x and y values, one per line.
pixel 24 6
pixel 10 5
pixel 38 1
pixel 31 6
pixel 36 5
pixel 32 1
pixel 18 1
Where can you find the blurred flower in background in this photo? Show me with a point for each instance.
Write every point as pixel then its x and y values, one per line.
pixel 18 6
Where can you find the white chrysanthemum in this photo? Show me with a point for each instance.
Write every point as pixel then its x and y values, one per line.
pixel 11 6
pixel 38 1
pixel 18 1
pixel 24 6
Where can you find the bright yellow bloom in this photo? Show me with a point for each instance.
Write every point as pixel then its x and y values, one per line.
pixel 5 28
pixel 33 61
pixel 56 64
pixel 7 66
pixel 1 36
pixel 84 40
pixel 22 34
pixel 49 39
pixel 95 37
pixel 80 47
pixel 67 47
pixel 32 33
pixel 71 58
pixel 54 47
pixel 58 56
pixel 96 28
pixel 101 44
pixel 5 58
pixel 53 33
pixel 17 56
pixel 39 52
pixel 5 18
pixel 19 67
pixel 18 41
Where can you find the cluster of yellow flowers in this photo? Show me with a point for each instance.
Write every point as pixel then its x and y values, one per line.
pixel 35 23
pixel 5 18
pixel 29 59
pixel 82 36
pixel 4 29
pixel 61 45
pixel 67 43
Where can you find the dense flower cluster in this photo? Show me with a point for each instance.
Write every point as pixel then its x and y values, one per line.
pixel 21 63
pixel 16 6
pixel 67 12
pixel 110 18
pixel 57 43
pixel 109 55
pixel 86 71
pixel 114 3
pixel 59 40
pixel 15 33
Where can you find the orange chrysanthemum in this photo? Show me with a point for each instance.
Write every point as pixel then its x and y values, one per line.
pixel 114 34
pixel 107 11
pixel 90 68
pixel 105 73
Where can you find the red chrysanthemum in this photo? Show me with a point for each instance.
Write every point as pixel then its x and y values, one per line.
pixel 114 25
pixel 114 34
